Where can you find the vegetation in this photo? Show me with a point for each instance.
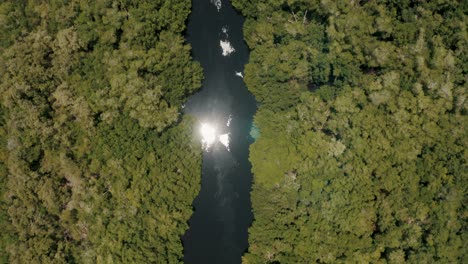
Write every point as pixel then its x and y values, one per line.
pixel 96 164
pixel 362 146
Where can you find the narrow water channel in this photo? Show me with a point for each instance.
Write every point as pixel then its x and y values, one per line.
pixel 218 227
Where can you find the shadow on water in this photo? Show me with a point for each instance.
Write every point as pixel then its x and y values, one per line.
pixel 218 227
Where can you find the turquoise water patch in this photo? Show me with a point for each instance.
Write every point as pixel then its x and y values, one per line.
pixel 254 131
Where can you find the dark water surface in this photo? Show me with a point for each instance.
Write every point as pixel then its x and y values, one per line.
pixel 218 228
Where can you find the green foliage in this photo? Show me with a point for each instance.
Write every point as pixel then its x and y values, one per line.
pixel 362 154
pixel 96 165
pixel 5 237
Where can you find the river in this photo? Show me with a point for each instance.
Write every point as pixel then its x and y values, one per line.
pixel 218 227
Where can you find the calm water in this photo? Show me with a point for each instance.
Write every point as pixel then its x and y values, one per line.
pixel 218 228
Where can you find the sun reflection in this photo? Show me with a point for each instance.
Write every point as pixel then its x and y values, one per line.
pixel 224 139
pixel 208 133
pixel 211 136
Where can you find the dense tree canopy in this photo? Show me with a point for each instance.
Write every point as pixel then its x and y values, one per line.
pixel 361 155
pixel 96 164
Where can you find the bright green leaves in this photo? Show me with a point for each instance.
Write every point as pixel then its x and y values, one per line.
pixel 277 77
pixel 150 85
pixel 96 165
pixel 150 188
pixel 367 167
pixel 149 18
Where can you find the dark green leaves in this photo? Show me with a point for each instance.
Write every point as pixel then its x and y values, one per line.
pixel 363 140
pixel 96 165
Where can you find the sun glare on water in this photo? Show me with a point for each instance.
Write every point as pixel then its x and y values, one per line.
pixel 208 133
pixel 224 139
pixel 210 136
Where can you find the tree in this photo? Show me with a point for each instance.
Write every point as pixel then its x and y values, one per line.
pixel 93 153
pixel 365 161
